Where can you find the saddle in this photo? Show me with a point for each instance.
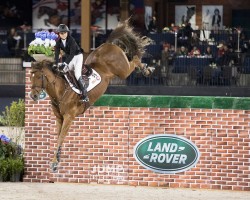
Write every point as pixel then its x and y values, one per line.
pixel 87 71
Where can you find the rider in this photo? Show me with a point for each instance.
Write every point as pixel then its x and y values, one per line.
pixel 73 58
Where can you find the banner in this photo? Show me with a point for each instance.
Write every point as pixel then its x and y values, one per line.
pixel 136 9
pixel 185 14
pixel 212 17
pixel 105 14
pixel 48 14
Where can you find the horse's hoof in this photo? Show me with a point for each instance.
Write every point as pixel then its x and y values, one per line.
pixel 54 167
pixel 151 69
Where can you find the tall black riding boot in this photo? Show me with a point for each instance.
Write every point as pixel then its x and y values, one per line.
pixel 83 84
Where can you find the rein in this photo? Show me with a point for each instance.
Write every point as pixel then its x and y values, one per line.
pixel 42 87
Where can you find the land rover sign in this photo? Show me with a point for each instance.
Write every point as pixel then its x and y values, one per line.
pixel 166 153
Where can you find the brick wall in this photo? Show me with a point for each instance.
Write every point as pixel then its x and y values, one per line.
pixel 99 146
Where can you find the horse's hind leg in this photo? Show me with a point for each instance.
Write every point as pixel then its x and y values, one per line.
pixel 136 63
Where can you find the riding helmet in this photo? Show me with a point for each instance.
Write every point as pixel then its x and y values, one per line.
pixel 62 28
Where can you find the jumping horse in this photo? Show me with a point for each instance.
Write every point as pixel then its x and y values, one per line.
pixel 118 56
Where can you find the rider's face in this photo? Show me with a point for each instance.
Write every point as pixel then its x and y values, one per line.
pixel 63 35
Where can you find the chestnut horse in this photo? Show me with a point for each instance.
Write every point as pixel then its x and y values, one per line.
pixel 109 60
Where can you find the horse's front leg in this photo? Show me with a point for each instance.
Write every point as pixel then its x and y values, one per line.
pixel 59 119
pixel 67 120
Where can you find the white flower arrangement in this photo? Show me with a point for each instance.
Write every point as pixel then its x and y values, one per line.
pixel 43 43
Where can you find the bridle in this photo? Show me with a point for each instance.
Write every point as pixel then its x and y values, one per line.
pixel 41 87
pixel 45 85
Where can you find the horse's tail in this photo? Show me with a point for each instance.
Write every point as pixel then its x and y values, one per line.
pixel 131 42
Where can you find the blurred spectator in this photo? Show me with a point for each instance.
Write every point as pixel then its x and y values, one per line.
pixel 14 42
pixel 243 43
pixel 231 43
pixel 244 46
pixel 220 53
pixel 208 52
pixel 182 36
pixel 182 51
pixel 152 27
pixel 195 40
pixel 226 57
pixel 174 28
pixel 195 52
pixel 165 57
pixel 25 28
pixel 156 77
pixel 188 30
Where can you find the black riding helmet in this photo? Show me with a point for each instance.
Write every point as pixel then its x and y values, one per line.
pixel 62 28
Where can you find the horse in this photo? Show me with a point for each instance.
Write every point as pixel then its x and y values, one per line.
pixel 119 56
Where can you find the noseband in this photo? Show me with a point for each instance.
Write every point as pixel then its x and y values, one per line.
pixel 40 87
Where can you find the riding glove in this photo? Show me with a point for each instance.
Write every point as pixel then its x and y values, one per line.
pixel 62 66
pixel 54 66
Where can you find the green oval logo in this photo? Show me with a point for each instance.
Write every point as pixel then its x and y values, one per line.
pixel 42 95
pixel 166 153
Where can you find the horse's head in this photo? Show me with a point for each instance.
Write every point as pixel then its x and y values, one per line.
pixel 46 10
pixel 190 13
pixel 38 78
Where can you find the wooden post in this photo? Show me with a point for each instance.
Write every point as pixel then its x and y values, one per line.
pixel 85 25
pixel 124 10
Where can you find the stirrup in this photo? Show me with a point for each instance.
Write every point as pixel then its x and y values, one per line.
pixel 86 99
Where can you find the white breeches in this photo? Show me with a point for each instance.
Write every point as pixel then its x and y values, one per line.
pixel 76 65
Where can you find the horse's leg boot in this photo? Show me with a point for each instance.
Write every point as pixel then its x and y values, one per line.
pixel 83 82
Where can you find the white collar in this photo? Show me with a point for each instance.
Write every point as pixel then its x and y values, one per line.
pixel 64 42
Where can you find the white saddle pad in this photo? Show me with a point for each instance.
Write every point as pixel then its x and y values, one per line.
pixel 94 80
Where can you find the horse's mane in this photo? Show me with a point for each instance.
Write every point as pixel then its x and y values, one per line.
pixel 45 63
pixel 131 42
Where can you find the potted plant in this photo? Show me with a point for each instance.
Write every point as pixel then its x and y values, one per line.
pixel 15 168
pixel 3 170
pixel 11 151
pixel 43 45
pixel 11 160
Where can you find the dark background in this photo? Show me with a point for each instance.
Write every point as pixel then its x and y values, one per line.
pixel 15 13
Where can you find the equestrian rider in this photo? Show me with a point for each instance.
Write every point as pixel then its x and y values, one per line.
pixel 73 58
